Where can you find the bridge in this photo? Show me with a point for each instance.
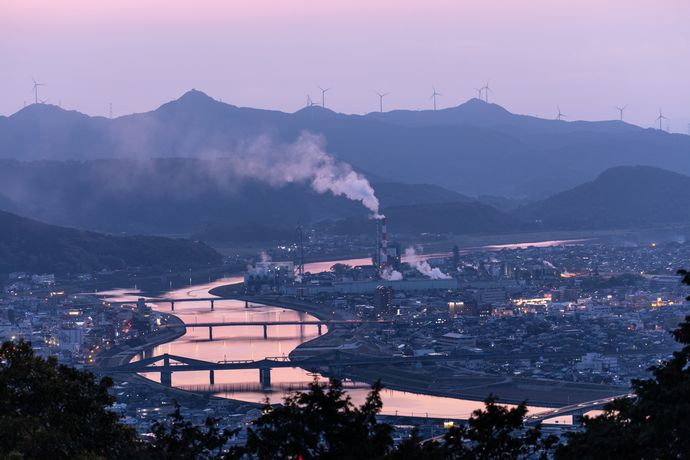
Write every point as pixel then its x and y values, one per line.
pixel 257 387
pixel 172 302
pixel 575 410
pixel 166 364
pixel 265 324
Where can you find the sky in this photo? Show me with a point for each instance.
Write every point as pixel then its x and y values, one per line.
pixel 586 56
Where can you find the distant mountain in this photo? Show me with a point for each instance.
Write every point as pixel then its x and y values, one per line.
pixel 476 112
pixel 625 196
pixel 35 247
pixel 475 148
pixel 396 194
pixel 174 196
pixel 436 218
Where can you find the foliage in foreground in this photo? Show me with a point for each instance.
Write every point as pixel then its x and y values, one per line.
pixel 321 423
pixel 653 423
pixel 49 410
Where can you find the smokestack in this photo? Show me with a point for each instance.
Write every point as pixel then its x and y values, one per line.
pixel 384 244
pixel 377 246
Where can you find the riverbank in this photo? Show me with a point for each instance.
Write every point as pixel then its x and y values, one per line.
pixel 124 353
pixel 432 381
pixel 321 312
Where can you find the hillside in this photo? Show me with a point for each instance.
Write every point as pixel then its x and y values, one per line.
pixel 175 196
pixel 35 247
pixel 437 218
pixel 625 196
pixel 475 148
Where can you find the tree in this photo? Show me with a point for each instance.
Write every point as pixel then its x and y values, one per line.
pixel 652 423
pixel 55 411
pixel 321 423
pixel 179 439
pixel 497 432
pixel 414 447
pixel 340 269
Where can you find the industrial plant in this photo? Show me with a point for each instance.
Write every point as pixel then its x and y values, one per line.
pixel 387 269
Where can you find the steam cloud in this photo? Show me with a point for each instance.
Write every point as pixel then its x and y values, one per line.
pixel 254 270
pixel 419 263
pixel 304 161
pixel 391 275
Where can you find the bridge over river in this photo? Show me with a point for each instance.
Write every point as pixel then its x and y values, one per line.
pixel 265 324
pixel 166 364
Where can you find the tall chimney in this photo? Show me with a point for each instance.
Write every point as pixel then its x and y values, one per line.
pixel 384 244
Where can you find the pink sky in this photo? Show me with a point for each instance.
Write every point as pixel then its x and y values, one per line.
pixel 586 56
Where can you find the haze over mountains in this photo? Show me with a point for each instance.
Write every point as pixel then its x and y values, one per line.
pixel 475 148
pixel 170 171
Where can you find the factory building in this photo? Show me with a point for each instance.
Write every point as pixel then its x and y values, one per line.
pixel 265 276
pixel 491 296
pixel 383 300
pixel 454 340
pixel 370 286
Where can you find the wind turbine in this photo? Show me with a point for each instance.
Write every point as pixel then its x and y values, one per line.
pixel 381 96
pixel 479 93
pixel 433 96
pixel 36 85
pixel 310 101
pixel 660 118
pixel 560 115
pixel 621 109
pixel 323 96
pixel 486 91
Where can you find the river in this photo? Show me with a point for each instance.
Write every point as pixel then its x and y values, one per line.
pixel 248 343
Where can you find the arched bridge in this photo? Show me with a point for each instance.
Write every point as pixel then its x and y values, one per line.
pixel 166 364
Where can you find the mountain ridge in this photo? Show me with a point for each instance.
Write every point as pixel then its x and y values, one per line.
pixel 476 148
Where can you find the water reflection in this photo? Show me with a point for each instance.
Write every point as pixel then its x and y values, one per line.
pixel 248 343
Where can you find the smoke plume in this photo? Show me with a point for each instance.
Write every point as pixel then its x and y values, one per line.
pixel 391 275
pixel 304 161
pixel 419 263
pixel 260 270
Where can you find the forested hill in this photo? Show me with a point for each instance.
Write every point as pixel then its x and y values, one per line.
pixel 32 246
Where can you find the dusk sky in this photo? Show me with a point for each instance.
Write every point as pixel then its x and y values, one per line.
pixel 587 56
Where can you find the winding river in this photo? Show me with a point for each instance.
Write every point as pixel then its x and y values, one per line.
pixel 248 343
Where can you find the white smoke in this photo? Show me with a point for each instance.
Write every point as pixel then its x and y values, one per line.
pixel 304 161
pixel 391 275
pixel 260 269
pixel 419 263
